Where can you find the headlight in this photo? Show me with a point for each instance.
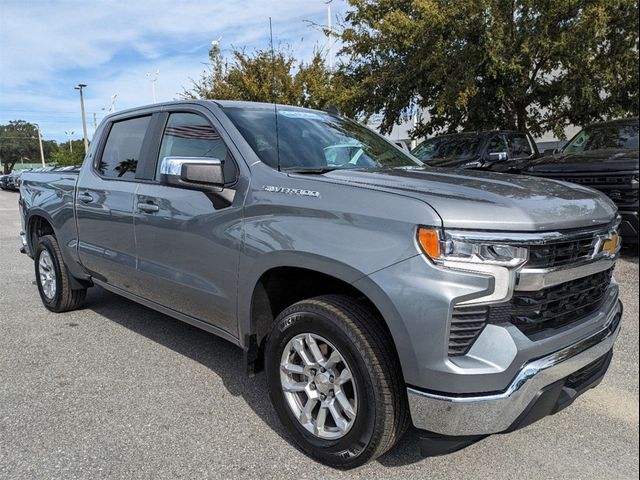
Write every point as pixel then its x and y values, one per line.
pixel 446 246
pixel 458 250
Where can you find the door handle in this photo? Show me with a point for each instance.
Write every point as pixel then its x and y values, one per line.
pixel 148 207
pixel 85 197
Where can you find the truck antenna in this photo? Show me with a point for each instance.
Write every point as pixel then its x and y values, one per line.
pixel 273 94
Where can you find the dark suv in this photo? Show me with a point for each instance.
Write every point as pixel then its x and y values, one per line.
pixel 603 156
pixel 496 150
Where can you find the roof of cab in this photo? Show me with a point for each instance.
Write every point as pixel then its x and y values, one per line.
pixel 220 103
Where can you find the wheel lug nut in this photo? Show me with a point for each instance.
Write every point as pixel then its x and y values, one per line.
pixel 331 378
pixel 312 386
pixel 322 396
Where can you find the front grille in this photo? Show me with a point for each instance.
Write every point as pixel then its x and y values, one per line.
pixel 621 188
pixel 553 307
pixel 466 324
pixel 560 253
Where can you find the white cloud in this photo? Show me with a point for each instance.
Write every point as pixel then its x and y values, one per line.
pixel 48 47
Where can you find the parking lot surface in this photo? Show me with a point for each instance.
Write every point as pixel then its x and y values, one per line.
pixel 117 390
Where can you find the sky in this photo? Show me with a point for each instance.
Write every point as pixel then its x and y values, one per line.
pixel 48 47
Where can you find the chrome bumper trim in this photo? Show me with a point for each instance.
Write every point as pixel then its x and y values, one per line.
pixel 534 279
pixel 494 413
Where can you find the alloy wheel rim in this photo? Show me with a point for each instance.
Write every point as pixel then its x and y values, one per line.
pixel 318 386
pixel 47 275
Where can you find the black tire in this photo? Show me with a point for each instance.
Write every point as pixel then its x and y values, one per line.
pixel 65 298
pixel 382 415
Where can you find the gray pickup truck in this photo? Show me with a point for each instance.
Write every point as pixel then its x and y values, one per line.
pixel 375 291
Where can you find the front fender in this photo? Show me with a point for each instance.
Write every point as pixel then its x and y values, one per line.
pixel 255 269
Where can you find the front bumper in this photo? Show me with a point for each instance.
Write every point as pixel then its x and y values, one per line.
pixel 477 415
pixel 630 226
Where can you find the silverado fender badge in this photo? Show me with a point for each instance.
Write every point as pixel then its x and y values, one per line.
pixel 291 191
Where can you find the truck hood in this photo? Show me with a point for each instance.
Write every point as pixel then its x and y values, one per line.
pixel 605 160
pixel 488 201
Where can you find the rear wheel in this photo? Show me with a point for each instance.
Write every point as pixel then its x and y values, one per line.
pixel 53 278
pixel 335 381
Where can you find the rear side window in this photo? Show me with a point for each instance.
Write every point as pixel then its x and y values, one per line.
pixel 519 146
pixel 123 148
pixel 191 135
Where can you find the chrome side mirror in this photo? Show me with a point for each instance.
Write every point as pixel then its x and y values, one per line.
pixel 498 156
pixel 192 172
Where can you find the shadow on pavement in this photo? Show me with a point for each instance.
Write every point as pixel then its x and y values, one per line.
pixel 224 358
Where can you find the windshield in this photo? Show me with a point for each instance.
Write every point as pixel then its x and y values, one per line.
pixel 597 137
pixel 463 147
pixel 310 140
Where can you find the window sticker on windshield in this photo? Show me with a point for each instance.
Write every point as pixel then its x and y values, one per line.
pixel 297 114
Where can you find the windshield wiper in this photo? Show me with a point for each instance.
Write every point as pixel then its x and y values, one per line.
pixel 310 170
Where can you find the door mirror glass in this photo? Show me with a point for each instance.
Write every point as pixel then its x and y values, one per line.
pixel 192 172
pixel 498 156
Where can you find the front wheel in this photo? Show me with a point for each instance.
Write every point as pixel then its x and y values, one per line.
pixel 53 278
pixel 335 381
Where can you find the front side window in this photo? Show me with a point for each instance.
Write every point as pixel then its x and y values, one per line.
pixel 123 148
pixel 496 145
pixel 310 140
pixel 519 146
pixel 191 135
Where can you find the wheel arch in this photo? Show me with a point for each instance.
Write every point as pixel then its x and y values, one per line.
pixel 39 223
pixel 281 284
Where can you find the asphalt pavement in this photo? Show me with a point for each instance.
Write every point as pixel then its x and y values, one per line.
pixel 117 390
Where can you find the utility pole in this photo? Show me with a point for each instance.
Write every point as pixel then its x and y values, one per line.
pixel 40 142
pixel 95 124
pixel 84 118
pixel 153 77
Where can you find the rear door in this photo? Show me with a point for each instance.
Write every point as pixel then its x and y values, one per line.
pixel 105 199
pixel 189 240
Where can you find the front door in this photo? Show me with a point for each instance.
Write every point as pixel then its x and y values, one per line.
pixel 189 240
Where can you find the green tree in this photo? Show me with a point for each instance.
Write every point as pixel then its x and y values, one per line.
pixel 263 76
pixel 18 141
pixel 69 156
pixel 533 65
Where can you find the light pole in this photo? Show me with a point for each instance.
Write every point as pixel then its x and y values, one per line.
pixel 112 108
pixel 153 78
pixel 329 37
pixel 84 118
pixel 70 135
pixel 40 142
